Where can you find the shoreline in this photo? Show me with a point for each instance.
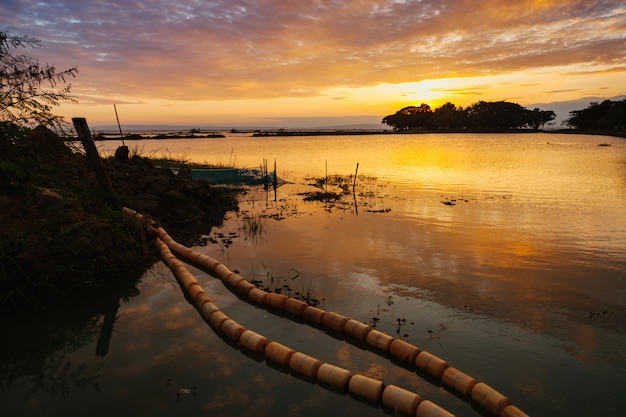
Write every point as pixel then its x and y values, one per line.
pixel 356 132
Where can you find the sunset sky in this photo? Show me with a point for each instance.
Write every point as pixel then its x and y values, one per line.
pixel 311 63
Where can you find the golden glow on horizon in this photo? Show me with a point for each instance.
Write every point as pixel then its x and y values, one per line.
pixel 523 87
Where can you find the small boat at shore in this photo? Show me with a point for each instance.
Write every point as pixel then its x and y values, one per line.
pixel 234 176
pixel 227 175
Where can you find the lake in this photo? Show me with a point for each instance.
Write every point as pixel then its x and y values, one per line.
pixel 504 255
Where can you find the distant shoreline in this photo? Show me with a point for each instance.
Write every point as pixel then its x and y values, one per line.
pixel 355 132
pixel 420 132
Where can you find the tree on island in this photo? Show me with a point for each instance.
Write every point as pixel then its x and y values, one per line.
pixel 410 117
pixel 484 115
pixel 28 89
pixel 607 115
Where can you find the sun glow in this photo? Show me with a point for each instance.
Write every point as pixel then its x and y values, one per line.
pixel 524 87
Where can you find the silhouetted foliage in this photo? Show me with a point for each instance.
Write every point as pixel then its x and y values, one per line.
pixel 28 90
pixel 537 118
pixel 410 117
pixel 607 115
pixel 449 116
pixel 484 115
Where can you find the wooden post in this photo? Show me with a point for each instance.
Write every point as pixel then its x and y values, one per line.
pixel 80 123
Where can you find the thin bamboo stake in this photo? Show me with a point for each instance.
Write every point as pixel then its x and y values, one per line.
pixel 275 181
pixel 326 178
pixel 355 175
pixel 118 125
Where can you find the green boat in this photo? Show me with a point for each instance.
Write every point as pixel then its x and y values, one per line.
pixel 227 175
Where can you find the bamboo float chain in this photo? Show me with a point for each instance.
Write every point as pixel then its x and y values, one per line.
pixel 390 395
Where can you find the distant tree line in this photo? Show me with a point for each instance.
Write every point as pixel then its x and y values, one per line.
pixel 607 115
pixel 484 115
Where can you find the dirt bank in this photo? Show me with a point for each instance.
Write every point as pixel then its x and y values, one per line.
pixel 59 231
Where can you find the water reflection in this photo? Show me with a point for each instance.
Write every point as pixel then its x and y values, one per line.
pixel 519 283
pixel 37 342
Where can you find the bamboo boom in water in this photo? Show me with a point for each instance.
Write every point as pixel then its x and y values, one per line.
pixel 398 398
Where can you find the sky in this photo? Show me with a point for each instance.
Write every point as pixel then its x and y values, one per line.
pixel 308 63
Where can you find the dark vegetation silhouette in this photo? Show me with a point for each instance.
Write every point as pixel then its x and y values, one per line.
pixel 30 90
pixel 605 116
pixel 481 116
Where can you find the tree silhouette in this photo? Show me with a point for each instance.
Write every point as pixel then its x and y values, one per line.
pixel 537 118
pixel 28 90
pixel 499 115
pixel 411 117
pixel 449 116
pixel 607 115
pixel 481 116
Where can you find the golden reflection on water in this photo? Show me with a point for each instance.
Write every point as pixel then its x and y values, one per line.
pixel 500 281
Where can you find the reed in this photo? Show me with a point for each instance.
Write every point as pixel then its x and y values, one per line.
pixel 308 294
pixel 254 226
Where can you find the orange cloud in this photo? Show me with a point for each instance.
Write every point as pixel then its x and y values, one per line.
pixel 254 50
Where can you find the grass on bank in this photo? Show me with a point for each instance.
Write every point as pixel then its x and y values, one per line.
pixel 60 231
pixel 163 158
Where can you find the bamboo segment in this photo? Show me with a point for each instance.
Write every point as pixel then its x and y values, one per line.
pixel 201 298
pixel 278 353
pixel 429 409
pixel 379 340
pixel 356 329
pixel 253 341
pixel 334 321
pixel 276 300
pixel 512 411
pixel 459 381
pixel 194 289
pixel 177 248
pixel 207 309
pixel 232 330
pixel 216 319
pixel 163 235
pixel 166 256
pixel 184 251
pixel 403 351
pixel 222 271
pixel 244 287
pixel 333 375
pixel 365 387
pixel 194 257
pixel 185 277
pixel 489 399
pixel 400 399
pixel 313 314
pixel 431 364
pixel 257 295
pixel 208 262
pixel 233 280
pixel 295 307
pixel 304 364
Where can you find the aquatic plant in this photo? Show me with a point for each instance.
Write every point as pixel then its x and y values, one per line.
pixel 254 226
pixel 308 294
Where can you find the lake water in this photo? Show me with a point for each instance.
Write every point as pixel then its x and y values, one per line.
pixel 503 254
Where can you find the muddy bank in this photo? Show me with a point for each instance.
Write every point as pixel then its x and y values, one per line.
pixel 59 231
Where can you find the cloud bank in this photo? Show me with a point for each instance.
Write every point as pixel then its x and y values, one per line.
pixel 259 49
